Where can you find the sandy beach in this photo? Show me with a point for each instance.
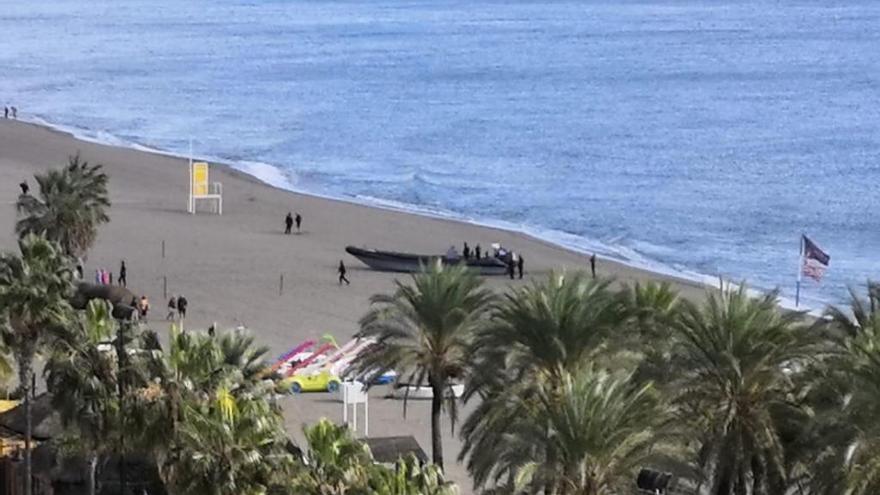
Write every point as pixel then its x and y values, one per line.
pixel 229 266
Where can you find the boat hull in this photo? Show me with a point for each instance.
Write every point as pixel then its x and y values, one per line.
pixel 388 261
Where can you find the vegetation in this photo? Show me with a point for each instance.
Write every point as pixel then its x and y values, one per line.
pixel 84 379
pixel 338 464
pixel 424 331
pixel 34 286
pixel 70 205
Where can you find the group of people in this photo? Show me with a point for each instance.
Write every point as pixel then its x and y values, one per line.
pixel 105 277
pixel 515 261
pixel 177 308
pixel 7 111
pixel 291 219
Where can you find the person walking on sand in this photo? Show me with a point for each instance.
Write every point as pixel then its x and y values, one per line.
pixel 288 223
pixel 143 307
pixel 299 220
pixel 593 264
pixel 519 264
pixel 172 309
pixel 341 270
pixel 122 280
pixel 181 307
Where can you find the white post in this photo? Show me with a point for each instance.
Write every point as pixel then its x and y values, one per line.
pixel 189 204
pixel 367 416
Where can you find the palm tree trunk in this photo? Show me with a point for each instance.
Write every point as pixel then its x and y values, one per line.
pixel 24 378
pixel 436 409
pixel 91 485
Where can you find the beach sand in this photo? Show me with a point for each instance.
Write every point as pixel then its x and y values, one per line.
pixel 229 266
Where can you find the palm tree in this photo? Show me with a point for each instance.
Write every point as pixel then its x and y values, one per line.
pixel 230 445
pixel 71 204
pixel 735 362
pixel 424 331
pixel 847 400
pixel 592 433
pixel 34 287
pixel 538 335
pixel 652 309
pixel 860 314
pixel 174 406
pixel 83 379
pixel 541 330
pixel 335 463
pixel 409 477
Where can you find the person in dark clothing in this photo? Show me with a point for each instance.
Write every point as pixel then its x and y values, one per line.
pixel 519 264
pixel 593 264
pixel 511 267
pixel 299 221
pixel 212 330
pixel 14 112
pixel 342 272
pixel 24 187
pixel 5 112
pixel 182 303
pixel 79 271
pixel 172 308
pixel 477 252
pixel 466 252
pixel 288 223
pixel 123 281
pixel 181 306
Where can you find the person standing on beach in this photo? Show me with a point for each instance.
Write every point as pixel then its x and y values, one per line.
pixel 5 112
pixel 181 307
pixel 466 252
pixel 299 221
pixel 519 264
pixel 172 308
pixel 341 270
pixel 288 223
pixel 143 307
pixel 511 267
pixel 593 264
pixel 477 252
pixel 122 280
pixel 24 188
pixel 14 113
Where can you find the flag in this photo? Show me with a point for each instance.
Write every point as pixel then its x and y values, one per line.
pixel 814 261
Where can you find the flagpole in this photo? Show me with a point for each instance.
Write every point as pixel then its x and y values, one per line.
pixel 189 203
pixel 797 296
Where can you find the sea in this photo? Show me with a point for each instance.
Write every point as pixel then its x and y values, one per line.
pixel 699 138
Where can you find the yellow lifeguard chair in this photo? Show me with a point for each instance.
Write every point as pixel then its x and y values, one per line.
pixel 201 188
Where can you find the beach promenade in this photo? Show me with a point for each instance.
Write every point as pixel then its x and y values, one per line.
pixel 229 266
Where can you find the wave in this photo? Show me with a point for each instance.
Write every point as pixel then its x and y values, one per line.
pixel 614 248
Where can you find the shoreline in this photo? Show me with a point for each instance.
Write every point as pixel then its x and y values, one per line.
pixel 604 254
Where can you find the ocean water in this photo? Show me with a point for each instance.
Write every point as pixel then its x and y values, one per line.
pixel 700 137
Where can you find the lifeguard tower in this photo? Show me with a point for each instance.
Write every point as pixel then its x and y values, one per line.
pixel 201 189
